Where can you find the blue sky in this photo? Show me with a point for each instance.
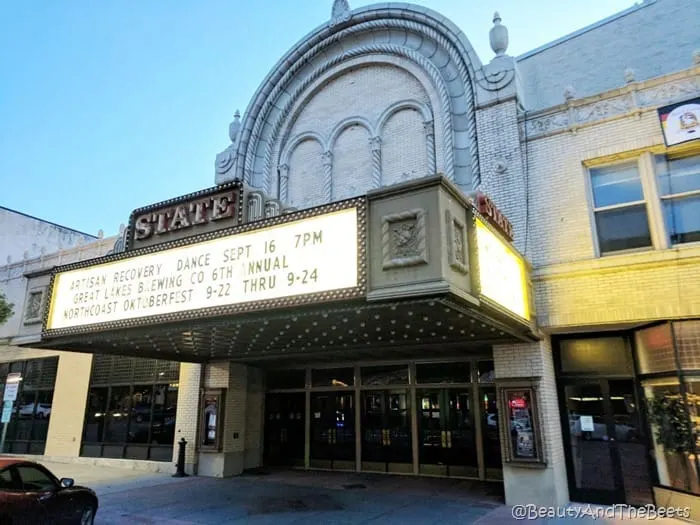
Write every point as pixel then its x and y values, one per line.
pixel 109 106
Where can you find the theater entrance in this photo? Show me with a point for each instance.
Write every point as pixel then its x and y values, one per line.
pixel 447 437
pixel 284 429
pixel 386 431
pixel 332 430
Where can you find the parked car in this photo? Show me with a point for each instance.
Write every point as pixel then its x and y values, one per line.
pixel 43 410
pixel 31 494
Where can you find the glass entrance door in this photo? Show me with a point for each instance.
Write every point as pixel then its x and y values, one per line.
pixel 607 452
pixel 284 429
pixel 386 431
pixel 447 438
pixel 333 430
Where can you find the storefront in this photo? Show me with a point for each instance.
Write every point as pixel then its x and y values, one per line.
pixel 629 408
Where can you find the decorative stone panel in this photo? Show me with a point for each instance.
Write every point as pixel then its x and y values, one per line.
pixel 36 303
pixel 403 239
pixel 456 243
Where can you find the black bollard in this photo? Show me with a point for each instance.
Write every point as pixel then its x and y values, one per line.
pixel 180 465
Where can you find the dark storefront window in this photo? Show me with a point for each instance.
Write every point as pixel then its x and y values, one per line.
pixel 438 373
pixel 669 361
pixel 384 375
pixel 131 408
pixel 29 425
pixel 285 379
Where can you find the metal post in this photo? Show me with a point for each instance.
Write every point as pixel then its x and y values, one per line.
pixel 2 439
pixel 180 472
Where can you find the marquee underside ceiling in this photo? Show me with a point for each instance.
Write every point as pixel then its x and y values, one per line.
pixel 352 330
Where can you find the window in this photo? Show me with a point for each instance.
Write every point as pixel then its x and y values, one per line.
pixel 673 400
pixel 35 479
pixel 678 181
pixel 619 207
pixel 6 481
pixel 31 413
pixel 131 408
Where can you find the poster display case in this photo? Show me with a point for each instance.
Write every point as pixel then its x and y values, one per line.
pixel 518 400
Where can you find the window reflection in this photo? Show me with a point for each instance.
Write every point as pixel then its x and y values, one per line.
pixel 137 413
pixel 31 413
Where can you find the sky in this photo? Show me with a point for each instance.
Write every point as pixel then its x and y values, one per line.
pixel 109 106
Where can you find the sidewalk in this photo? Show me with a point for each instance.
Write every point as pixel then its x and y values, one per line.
pixel 285 497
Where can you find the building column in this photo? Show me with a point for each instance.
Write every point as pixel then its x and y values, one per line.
pixel 430 146
pixel 540 486
pixel 187 414
pixel 327 176
pixel 66 426
pixel 284 183
pixel 375 146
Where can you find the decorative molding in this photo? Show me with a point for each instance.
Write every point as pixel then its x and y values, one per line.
pixel 404 239
pixel 266 97
pixel 284 181
pixel 429 130
pixel 255 206
pixel 631 100
pixel 375 145
pixel 456 231
pixel 346 123
pixel 35 305
pixel 389 49
pixel 272 208
pixel 327 176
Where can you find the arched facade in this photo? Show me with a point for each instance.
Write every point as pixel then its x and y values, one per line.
pixel 374 97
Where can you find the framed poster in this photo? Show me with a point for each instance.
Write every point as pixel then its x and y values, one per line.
pixel 211 421
pixel 520 421
pixel 680 122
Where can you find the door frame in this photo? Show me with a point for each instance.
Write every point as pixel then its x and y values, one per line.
pixel 563 379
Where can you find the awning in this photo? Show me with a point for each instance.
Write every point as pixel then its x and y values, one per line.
pixel 355 329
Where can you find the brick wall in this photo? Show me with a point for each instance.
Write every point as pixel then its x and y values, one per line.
pixel 574 288
pixel 549 485
pixel 364 93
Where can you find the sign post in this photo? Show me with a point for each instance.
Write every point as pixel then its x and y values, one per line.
pixel 8 400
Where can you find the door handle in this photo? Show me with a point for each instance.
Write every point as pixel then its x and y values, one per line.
pixel 443 441
pixel 335 436
pixel 330 435
pixel 449 439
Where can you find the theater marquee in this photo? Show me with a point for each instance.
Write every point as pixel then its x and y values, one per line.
pixel 502 273
pixel 305 257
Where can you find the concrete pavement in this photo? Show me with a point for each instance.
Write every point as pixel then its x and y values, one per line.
pixel 131 497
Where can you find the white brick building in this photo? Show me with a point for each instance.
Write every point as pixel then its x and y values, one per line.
pixel 567 141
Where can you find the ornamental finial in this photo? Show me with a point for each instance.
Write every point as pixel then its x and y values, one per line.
pixel 235 126
pixel 340 7
pixel 498 36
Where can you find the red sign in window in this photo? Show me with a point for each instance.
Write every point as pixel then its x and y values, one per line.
pixel 518 402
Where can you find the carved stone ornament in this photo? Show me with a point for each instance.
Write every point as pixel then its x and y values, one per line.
pixel 340 12
pixel 35 307
pixel 272 209
pixel 456 243
pixel 403 239
pixel 585 112
pixel 255 206
pixel 498 36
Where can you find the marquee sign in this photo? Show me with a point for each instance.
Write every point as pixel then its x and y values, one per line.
pixel 502 272
pixel 313 257
pixel 491 213
pixel 207 210
pixel 680 122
